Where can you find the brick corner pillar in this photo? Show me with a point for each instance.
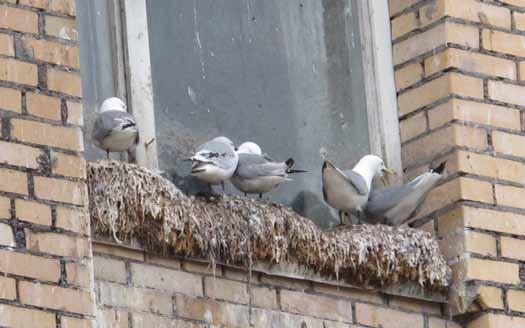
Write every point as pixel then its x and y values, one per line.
pixel 459 74
pixel 45 250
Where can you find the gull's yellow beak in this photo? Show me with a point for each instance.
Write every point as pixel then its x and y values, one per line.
pixel 386 173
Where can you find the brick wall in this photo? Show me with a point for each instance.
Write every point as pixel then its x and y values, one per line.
pixel 135 289
pixel 459 69
pixel 45 252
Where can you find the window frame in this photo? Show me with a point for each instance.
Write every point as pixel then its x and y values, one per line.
pixel 381 99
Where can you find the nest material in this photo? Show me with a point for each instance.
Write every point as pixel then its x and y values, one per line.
pixel 130 202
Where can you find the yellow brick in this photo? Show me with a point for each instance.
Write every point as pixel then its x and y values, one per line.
pixel 13 181
pixel 13 70
pixel 455 135
pixel 497 320
pixel 516 300
pixel 518 3
pixel 56 297
pixel 396 6
pixel 74 113
pixel 490 297
pixel 62 6
pixel 488 166
pixel 6 236
pixel 505 92
pixel 439 88
pixel 513 248
pixel 52 52
pixel 25 318
pixel 61 27
pixel 68 165
pixel 413 305
pixel 18 19
pixel 6 45
pixel 73 220
pixel 79 274
pixel 519 18
pixel 118 251
pixel 57 244
pixel 11 99
pixel 33 212
pixel 66 82
pixel 470 10
pixel 374 316
pixel 503 42
pixel 404 24
pixel 471 62
pixel 408 75
pixel 433 38
pixel 480 243
pixel 68 322
pixel 46 134
pixel 483 219
pixel 19 155
pixel 368 296
pixel 59 190
pixel 497 271
pixel 470 111
pixel 509 144
pixel 7 288
pixel 29 266
pixel 441 323
pixel 5 208
pixel 510 196
pixel 43 106
pixel 452 191
pixel 412 126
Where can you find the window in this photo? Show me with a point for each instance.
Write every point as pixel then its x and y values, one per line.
pixel 304 79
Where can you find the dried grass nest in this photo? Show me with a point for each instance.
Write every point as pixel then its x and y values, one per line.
pixel 130 202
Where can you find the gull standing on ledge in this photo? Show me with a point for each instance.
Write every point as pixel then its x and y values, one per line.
pixel 258 174
pixel 348 191
pixel 394 205
pixel 115 130
pixel 215 161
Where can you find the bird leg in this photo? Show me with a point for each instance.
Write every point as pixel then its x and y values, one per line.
pixel 260 196
pixel 223 188
pixel 344 218
pixel 107 153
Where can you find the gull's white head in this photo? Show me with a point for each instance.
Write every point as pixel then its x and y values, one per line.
pixel 371 166
pixel 113 103
pixel 225 140
pixel 249 148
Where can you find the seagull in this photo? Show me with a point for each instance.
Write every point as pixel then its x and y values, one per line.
pixel 215 161
pixel 257 173
pixel 394 205
pixel 114 130
pixel 348 191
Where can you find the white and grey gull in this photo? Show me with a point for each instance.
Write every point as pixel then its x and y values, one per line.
pixel 115 130
pixel 395 205
pixel 257 173
pixel 215 161
pixel 348 190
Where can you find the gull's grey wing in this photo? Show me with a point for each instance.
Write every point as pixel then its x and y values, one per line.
pixel 357 181
pixel 251 166
pixel 111 121
pixel 218 153
pixel 396 204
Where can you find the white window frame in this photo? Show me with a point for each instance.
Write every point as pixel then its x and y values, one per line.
pixel 381 101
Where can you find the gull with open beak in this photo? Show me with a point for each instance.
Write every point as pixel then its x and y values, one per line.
pixel 348 190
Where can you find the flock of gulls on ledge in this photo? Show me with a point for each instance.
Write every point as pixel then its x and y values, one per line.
pixel 252 172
